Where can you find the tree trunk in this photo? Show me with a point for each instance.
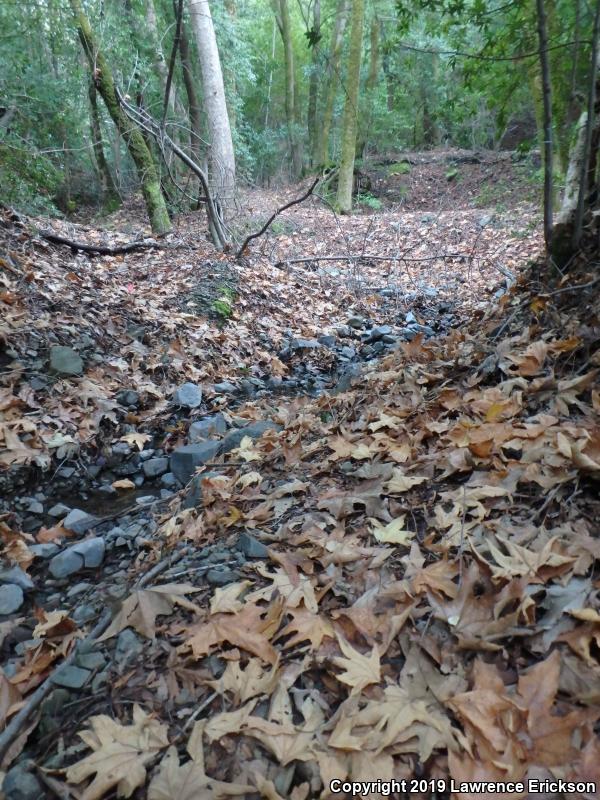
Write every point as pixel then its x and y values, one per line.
pixel 548 136
pixel 584 173
pixel 160 65
pixel 313 87
pixel 222 158
pixel 282 15
pixel 102 76
pixel 194 107
pixel 350 120
pixel 110 196
pixel 366 118
pixel 335 52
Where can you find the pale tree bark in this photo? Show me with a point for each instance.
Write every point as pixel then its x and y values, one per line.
pixel 332 81
pixel 221 156
pixel 103 79
pixel 194 107
pixel 350 119
pixel 313 86
pixel 580 180
pixel 282 16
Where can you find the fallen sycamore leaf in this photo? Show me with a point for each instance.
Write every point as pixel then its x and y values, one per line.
pixel 138 439
pixel 392 533
pixel 360 670
pixel 140 609
pixel 225 601
pixel 399 482
pixel 120 755
pixel 123 483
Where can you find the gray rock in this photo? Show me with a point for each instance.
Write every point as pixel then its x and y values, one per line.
pixel 83 613
pixel 35 507
pixel 145 500
pixel 129 647
pixel 343 330
pixel 410 318
pixel 65 361
pixel 52 710
pixel 79 588
pixel 66 472
pixel 225 387
pixel 71 677
pixel 146 455
pixel 422 329
pixel 378 333
pixel 389 339
pixel 327 341
pixel 128 397
pixel 155 467
pixel 255 430
pixel 11 598
pixel 17 576
pixel 121 450
pixel 188 395
pixel 185 459
pixel 348 352
pixel 19 784
pixel 407 333
pixel 91 660
pixel 83 555
pixel 79 521
pixel 304 344
pixel 193 498
pixel 169 481
pixel 59 510
pixel 346 379
pixel 205 428
pixel 356 322
pixel 251 547
pixel 221 577
pixel 44 550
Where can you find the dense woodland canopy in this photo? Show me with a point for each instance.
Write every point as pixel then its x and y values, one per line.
pixel 307 84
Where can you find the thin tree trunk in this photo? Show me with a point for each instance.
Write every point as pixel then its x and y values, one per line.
pixel 585 164
pixel 366 119
pixel 110 195
pixel 350 120
pixel 313 87
pixel 333 67
pixel 282 15
pixel 174 104
pixel 222 158
pixel 102 76
pixel 194 107
pixel 548 136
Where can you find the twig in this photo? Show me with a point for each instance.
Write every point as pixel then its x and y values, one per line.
pixel 276 213
pixel 369 257
pixel 100 249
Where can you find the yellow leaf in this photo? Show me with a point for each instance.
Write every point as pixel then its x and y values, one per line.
pixel 139 439
pixel 123 483
pixel 360 671
pixel 120 755
pixel 392 533
pixel 402 483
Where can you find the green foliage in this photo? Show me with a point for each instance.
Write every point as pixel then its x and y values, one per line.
pixel 223 305
pixel 370 201
pixel 451 174
pixel 402 168
pixel 29 181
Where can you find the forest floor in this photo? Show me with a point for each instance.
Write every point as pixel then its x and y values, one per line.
pixel 328 512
